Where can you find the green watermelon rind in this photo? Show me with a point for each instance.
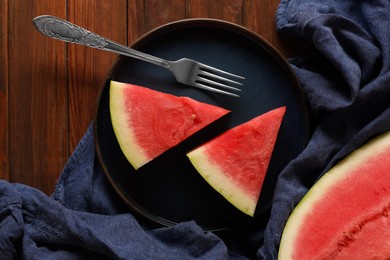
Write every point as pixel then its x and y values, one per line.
pixel 319 190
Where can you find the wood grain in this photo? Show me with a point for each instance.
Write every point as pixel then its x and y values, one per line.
pixel 88 67
pixel 48 89
pixel 259 16
pixel 135 20
pixel 37 97
pixel 146 15
pixel 160 12
pixel 228 10
pixel 4 156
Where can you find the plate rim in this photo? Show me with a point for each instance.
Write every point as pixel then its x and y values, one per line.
pixel 171 26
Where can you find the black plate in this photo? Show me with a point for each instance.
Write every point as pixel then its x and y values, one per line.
pixel 168 190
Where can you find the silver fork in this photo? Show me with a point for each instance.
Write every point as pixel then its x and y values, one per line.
pixel 186 71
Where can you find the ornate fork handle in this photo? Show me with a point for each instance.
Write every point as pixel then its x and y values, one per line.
pixel 57 28
pixel 60 29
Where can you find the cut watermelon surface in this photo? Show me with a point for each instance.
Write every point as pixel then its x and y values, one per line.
pixel 346 214
pixel 147 123
pixel 235 163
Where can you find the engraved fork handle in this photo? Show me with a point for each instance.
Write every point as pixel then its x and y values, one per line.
pixel 60 29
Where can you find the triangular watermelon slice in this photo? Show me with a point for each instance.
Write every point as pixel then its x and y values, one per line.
pixel 148 122
pixel 235 163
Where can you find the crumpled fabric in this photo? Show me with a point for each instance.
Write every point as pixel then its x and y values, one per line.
pixel 84 219
pixel 345 74
pixel 346 80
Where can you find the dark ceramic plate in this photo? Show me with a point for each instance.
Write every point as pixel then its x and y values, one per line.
pixel 168 190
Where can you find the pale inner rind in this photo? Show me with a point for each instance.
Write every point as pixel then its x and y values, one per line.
pixel 220 182
pixel 122 128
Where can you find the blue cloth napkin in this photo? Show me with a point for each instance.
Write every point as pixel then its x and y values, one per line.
pixel 84 219
pixel 346 79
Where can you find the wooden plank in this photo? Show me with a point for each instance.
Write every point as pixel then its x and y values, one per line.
pixel 4 156
pixel 135 20
pixel 37 97
pixel 146 15
pixel 259 16
pixel 228 10
pixel 88 67
pixel 160 12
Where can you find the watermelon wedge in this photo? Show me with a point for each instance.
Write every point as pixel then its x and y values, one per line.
pixel 235 163
pixel 147 123
pixel 346 214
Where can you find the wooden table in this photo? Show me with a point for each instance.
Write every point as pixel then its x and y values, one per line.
pixel 48 89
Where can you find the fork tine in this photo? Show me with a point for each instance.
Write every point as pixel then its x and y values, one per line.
pixel 206 81
pixel 210 76
pixel 209 69
pixel 202 86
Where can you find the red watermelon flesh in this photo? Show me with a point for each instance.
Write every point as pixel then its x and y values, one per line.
pixel 235 163
pixel 346 214
pixel 148 122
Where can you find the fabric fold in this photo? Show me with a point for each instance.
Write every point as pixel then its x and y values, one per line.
pixel 346 78
pixel 85 219
pixel 345 75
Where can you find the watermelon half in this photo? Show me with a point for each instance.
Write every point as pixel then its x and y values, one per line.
pixel 147 123
pixel 235 163
pixel 346 214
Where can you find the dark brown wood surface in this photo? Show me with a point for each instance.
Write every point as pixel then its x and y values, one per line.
pixel 48 89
